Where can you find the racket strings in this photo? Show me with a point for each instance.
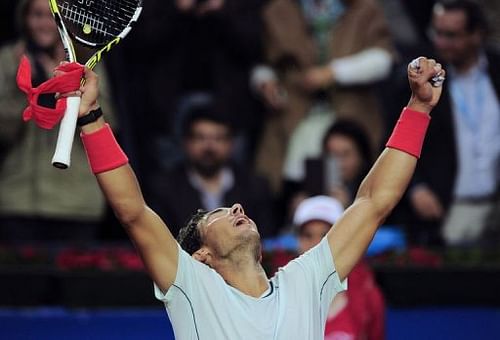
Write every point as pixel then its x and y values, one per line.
pixel 81 18
pixel 98 21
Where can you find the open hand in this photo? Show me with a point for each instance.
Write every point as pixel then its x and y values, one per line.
pixel 318 77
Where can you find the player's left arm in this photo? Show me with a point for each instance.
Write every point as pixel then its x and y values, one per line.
pixel 385 184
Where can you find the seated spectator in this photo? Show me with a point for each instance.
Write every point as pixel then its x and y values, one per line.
pixel 344 161
pixel 323 57
pixel 207 178
pixel 37 201
pixel 357 313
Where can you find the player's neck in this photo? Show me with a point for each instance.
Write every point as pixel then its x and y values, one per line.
pixel 251 281
pixel 247 276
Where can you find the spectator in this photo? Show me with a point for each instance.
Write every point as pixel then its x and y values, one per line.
pixel 338 171
pixel 37 201
pixel 207 178
pixel 358 313
pixel 457 178
pixel 420 11
pixel 323 56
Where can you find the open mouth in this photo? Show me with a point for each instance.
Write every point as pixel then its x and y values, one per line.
pixel 240 221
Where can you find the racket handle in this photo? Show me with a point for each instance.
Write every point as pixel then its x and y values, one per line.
pixel 62 154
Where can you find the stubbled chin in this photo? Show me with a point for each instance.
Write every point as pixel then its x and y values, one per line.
pixel 248 226
pixel 249 232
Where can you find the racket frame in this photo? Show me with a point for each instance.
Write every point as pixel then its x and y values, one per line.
pixel 67 127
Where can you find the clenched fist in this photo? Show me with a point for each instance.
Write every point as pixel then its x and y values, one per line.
pixel 426 77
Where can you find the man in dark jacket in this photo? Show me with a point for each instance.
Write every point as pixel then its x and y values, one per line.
pixel 457 179
pixel 206 178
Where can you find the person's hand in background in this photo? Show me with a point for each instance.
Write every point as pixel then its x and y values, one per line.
pixel 273 94
pixel 425 203
pixel 318 77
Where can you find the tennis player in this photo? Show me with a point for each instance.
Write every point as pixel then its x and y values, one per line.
pixel 211 279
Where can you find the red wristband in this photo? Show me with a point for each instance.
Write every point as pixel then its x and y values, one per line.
pixel 409 133
pixel 103 152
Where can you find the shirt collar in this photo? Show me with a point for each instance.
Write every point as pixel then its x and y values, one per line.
pixel 227 181
pixel 480 67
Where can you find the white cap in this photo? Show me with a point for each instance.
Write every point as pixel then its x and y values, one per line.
pixel 318 208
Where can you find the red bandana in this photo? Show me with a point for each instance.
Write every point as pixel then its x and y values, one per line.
pixel 69 81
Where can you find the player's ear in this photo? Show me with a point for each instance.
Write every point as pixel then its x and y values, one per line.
pixel 203 255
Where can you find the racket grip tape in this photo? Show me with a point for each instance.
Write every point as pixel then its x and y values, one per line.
pixel 103 151
pixel 62 154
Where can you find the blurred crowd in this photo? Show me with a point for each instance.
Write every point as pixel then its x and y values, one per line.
pixel 264 102
pixel 267 103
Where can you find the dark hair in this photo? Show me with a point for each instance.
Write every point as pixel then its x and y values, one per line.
pixel 353 131
pixel 207 112
pixel 475 17
pixel 189 236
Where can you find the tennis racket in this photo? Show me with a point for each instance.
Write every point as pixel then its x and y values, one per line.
pixel 98 25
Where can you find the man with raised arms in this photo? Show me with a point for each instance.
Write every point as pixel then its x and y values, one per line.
pixel 211 279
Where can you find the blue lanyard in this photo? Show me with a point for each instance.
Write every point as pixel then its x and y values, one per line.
pixel 470 113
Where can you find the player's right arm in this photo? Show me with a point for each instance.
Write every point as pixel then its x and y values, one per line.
pixel 153 240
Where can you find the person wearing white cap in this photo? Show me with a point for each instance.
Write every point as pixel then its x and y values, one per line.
pixel 313 218
pixel 357 313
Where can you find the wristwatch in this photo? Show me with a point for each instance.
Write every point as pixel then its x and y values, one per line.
pixel 90 117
